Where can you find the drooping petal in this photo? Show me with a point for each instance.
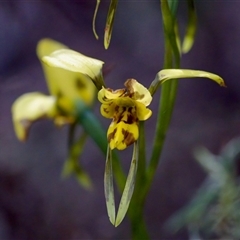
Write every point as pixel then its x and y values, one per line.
pixel 138 92
pixel 76 62
pixel 169 74
pixel 29 108
pixel 143 113
pixel 121 135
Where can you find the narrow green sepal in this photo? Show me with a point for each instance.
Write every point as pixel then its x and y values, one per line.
pixel 108 187
pixel 129 187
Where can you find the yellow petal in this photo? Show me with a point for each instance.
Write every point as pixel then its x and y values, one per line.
pixel 138 92
pixel 29 108
pixel 108 110
pixel 66 85
pixel 106 95
pixel 76 62
pixel 168 74
pixel 121 135
pixel 70 86
pixel 143 113
pixel 46 46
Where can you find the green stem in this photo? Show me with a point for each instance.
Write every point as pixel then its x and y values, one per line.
pixel 138 226
pixel 168 94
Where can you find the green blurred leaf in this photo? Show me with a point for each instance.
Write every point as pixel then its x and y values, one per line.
pixel 195 210
pixel 129 187
pixel 109 23
pixel 108 187
pixel 212 165
pixel 191 28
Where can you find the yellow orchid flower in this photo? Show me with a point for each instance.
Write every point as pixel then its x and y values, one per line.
pixel 126 107
pixel 65 87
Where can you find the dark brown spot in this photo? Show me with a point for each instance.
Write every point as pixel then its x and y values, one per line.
pixel 116 108
pixel 80 84
pixel 128 137
pixel 59 94
pixel 111 135
pixel 105 110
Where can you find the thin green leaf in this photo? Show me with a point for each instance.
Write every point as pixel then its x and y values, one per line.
pixel 108 187
pixel 109 23
pixel 168 74
pixel 94 18
pixel 129 187
pixel 191 28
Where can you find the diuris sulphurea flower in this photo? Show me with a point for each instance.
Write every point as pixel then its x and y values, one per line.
pixel 65 87
pixel 126 107
pixel 68 88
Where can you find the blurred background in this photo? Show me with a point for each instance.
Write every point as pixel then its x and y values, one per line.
pixel 35 203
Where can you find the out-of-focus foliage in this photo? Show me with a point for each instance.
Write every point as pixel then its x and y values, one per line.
pixel 214 210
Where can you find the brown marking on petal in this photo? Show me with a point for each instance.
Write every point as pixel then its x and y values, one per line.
pixel 138 96
pixel 132 116
pixel 116 108
pixel 111 135
pixel 59 94
pixel 79 84
pixel 128 84
pixel 130 119
pixel 106 110
pixel 131 93
pixel 25 123
pixel 128 137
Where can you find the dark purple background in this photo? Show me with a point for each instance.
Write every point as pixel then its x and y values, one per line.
pixel 34 202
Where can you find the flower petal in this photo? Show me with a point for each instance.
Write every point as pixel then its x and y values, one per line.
pixel 46 46
pixel 29 108
pixel 65 85
pixel 106 95
pixel 121 135
pixel 76 62
pixel 138 92
pixel 108 110
pixel 143 113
